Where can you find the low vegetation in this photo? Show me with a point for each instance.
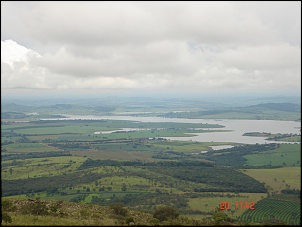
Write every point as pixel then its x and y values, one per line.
pixel 26 212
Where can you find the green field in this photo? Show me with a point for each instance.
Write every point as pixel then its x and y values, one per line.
pixel 39 167
pixel 285 155
pixel 209 204
pixel 27 147
pixel 287 211
pixel 277 179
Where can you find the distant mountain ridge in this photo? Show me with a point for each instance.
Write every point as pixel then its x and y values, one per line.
pixel 263 111
pixel 15 107
pixel 62 106
pixel 288 107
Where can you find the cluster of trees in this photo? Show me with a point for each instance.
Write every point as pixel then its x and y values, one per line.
pixel 264 134
pixel 291 191
pixel 6 142
pixel 12 115
pixel 195 114
pixel 44 154
pixel 217 178
pixel 40 184
pixel 71 146
pixel 234 156
pixel 141 200
pixel 89 163
pixel 282 136
pixel 78 198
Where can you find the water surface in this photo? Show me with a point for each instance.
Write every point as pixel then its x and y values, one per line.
pixel 237 127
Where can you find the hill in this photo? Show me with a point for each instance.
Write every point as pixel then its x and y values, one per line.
pixel 288 107
pixel 266 111
pixel 39 212
pixel 60 213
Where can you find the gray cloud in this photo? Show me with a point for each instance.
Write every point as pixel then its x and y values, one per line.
pixel 205 46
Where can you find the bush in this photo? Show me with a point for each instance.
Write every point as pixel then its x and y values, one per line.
pixel 164 213
pixel 118 209
pixel 221 218
pixel 129 220
pixel 36 207
pixel 7 205
pixel 6 218
pixel 154 221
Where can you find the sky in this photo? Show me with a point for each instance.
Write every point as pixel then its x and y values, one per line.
pixel 102 47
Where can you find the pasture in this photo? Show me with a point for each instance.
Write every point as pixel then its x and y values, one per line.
pixel 39 167
pixel 114 155
pixel 277 179
pixel 27 147
pixel 213 200
pixel 285 155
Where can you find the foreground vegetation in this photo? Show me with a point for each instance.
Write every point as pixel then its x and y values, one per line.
pixel 26 212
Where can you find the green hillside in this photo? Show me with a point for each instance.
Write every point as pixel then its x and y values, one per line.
pixel 29 212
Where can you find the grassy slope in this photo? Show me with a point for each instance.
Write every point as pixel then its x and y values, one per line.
pixel 76 214
pixel 286 154
pixel 277 178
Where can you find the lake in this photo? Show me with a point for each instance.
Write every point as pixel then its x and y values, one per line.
pixel 238 127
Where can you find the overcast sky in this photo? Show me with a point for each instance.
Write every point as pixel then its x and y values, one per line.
pixel 181 47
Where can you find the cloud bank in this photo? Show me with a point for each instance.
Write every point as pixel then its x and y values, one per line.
pixel 177 46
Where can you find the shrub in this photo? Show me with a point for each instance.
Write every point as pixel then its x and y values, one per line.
pixel 7 205
pixel 5 217
pixel 36 207
pixel 118 209
pixel 164 213
pixel 128 220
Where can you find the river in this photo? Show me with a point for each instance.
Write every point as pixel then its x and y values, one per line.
pixel 237 127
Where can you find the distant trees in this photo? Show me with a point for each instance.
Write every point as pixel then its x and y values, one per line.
pixel 235 156
pixel 33 185
pixel 291 191
pixel 51 191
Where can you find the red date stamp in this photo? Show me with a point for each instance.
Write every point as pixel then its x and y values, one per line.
pixel 238 205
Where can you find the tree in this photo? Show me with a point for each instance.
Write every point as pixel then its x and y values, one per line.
pixel 164 213
pixel 220 217
pixel 206 205
pixel 124 187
